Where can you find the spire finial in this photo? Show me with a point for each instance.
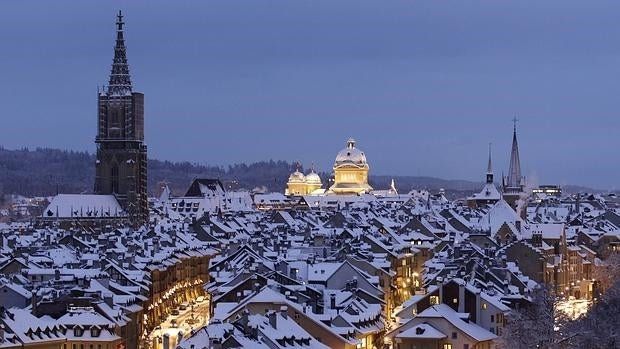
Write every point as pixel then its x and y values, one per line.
pixel 120 81
pixel 119 20
pixel 514 122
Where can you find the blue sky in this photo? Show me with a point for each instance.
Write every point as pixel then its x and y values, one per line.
pixel 423 86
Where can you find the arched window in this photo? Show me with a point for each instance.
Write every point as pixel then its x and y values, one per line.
pixel 114 123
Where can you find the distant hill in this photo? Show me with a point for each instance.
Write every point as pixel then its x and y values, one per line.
pixel 44 171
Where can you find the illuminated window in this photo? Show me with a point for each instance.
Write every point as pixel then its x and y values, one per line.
pixel 434 300
pixel 484 305
pixel 447 346
pixel 454 300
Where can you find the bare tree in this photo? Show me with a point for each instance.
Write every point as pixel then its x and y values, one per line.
pixel 537 325
pixel 600 327
pixel 606 274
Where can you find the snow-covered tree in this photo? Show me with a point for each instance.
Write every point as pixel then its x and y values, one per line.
pixel 537 325
pixel 600 327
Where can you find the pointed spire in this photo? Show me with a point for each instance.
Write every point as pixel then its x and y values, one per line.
pixel 120 81
pixel 514 172
pixel 489 168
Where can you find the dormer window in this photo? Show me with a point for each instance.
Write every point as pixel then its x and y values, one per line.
pixel 95 331
pixel 78 331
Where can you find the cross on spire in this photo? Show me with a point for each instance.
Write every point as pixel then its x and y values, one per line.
pixel 119 20
pixel 120 81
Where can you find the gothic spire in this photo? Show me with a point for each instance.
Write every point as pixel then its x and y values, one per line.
pixel 489 168
pixel 514 172
pixel 120 81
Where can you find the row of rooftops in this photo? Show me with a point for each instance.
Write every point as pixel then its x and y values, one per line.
pixel 308 256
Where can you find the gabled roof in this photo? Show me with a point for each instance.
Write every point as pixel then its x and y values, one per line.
pixel 199 187
pixel 83 206
pixel 267 295
pixel 422 331
pixel 444 311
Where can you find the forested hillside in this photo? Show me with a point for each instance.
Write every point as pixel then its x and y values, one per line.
pixel 45 171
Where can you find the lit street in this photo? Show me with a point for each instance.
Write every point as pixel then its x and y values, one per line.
pixel 574 308
pixel 187 320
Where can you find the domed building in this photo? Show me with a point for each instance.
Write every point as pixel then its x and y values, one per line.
pixel 350 171
pixel 313 182
pixel 298 184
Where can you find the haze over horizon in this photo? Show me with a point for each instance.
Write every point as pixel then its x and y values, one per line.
pixel 422 86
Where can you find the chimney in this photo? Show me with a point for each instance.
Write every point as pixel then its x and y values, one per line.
pixel 272 315
pixel 107 298
pixel 440 285
pixel 478 307
pixel 332 301
pixel 34 301
pixel 284 311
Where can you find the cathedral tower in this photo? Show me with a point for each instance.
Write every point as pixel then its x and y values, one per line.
pixel 121 152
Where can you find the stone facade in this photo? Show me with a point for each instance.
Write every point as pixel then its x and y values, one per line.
pixel 121 152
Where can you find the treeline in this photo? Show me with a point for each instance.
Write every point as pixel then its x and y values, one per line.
pixel 45 171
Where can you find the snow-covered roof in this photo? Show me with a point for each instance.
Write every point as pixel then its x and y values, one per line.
pixel 83 206
pixel 422 331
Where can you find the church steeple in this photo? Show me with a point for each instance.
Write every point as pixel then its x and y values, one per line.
pixel 514 171
pixel 489 168
pixel 121 153
pixel 120 80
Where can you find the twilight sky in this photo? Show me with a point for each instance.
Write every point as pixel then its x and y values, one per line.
pixel 423 86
